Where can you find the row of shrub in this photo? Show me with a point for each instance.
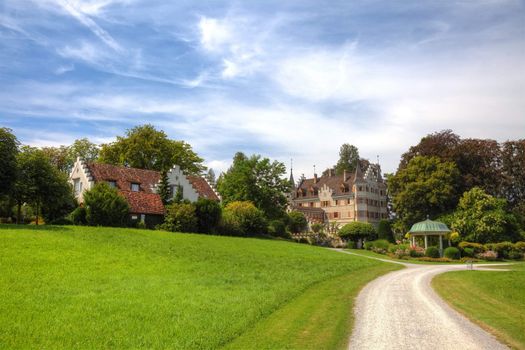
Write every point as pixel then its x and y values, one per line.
pixel 466 250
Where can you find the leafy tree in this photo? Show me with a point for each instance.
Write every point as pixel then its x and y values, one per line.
pixel 8 152
pixel 180 217
pixel 297 222
pixel 348 158
pixel 145 147
pixel 426 186
pixel 441 144
pixel 209 215
pixel 63 157
pixel 105 206
pixel 483 218
pixel 164 190
pixel 242 218
pixel 257 180
pixel 62 199
pixel 384 230
pixel 357 231
pixel 513 174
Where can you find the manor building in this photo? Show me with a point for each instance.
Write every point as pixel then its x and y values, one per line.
pixel 342 198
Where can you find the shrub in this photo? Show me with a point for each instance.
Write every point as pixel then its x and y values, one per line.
pixel 478 248
pixel 426 258
pixel 392 248
pixel 384 230
pixel 277 228
pixel 180 217
pixel 208 214
pixel 317 227
pixel 503 249
pixel 452 253
pixel 243 218
pixel 141 225
pixel 61 221
pixel 520 246
pixel 369 245
pixel 350 245
pixel 78 216
pixel 357 230
pixel 105 206
pixel 416 251
pixel 469 252
pixel 489 255
pixel 381 244
pixel 515 254
pixel 297 222
pixel 432 252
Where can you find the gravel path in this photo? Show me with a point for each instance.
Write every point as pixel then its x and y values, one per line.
pixel 401 311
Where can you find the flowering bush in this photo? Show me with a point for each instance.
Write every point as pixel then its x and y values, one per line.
pixel 416 251
pixel 489 255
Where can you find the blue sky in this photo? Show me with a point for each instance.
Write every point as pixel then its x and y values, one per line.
pixel 285 79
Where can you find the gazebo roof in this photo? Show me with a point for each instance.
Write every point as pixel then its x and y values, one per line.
pixel 429 227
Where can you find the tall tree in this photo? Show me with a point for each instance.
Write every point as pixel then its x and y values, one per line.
pixel 84 149
pixel 145 147
pixel 257 180
pixel 59 157
pixel 8 151
pixel 164 189
pixel 348 158
pixel 441 144
pixel 513 171
pixel 426 186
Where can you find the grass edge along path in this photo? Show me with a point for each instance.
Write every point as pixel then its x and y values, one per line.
pixel 320 318
pixel 495 300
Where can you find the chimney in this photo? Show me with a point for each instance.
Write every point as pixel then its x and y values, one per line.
pixel 315 178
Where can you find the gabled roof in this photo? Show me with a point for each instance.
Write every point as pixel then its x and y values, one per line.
pixel 203 188
pixel 124 177
pixel 144 203
pixel 334 182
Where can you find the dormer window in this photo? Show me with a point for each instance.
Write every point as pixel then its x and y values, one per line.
pixel 112 184
pixel 135 187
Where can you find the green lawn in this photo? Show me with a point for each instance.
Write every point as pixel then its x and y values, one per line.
pixel 493 299
pixel 80 287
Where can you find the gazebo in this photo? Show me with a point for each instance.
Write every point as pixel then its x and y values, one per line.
pixel 429 228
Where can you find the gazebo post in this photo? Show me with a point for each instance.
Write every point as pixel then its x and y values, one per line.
pixel 413 241
pixel 441 245
pixel 426 242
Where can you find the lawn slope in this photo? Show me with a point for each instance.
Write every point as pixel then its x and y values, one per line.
pixel 494 300
pixel 80 287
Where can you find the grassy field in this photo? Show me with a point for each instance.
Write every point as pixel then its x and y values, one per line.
pixel 80 287
pixel 494 300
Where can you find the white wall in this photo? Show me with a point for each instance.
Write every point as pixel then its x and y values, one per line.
pixel 176 177
pixel 79 171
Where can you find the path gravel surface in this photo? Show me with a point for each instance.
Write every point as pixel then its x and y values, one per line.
pixel 401 311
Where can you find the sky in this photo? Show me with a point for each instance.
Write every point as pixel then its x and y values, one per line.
pixel 284 79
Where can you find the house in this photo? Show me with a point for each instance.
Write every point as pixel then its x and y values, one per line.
pixel 139 187
pixel 342 198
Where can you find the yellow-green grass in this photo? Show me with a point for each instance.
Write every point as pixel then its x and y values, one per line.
pixel 87 288
pixel 493 299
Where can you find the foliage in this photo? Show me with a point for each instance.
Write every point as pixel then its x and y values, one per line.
pixel 483 218
pixel 348 158
pixel 297 222
pixel 432 252
pixel 180 217
pixel 210 176
pixel 513 163
pixel 416 251
pixel 164 189
pixel 8 152
pixel 58 156
pixel 257 180
pixel 105 206
pixel 426 186
pixel 357 230
pixel 452 253
pixel 242 218
pixel 63 157
pixel 384 230
pixel 317 227
pixel 78 216
pixel 145 147
pixel 209 213
pixel 62 199
pixel 503 249
pixel 277 228
pixel 488 255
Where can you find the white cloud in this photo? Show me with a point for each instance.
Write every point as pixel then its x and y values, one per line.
pixel 64 69
pixel 214 34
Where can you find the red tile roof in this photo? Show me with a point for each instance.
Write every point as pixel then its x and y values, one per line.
pixel 203 188
pixel 144 203
pixel 334 182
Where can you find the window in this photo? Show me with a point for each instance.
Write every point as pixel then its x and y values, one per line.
pixel 112 184
pixel 325 203
pixel 311 204
pixel 135 187
pixel 336 215
pixel 336 202
pixel 78 186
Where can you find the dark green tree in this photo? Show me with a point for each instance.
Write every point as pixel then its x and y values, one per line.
pixel 384 230
pixel 297 222
pixel 58 156
pixel 513 172
pixel 426 186
pixel 164 189
pixel 357 231
pixel 209 215
pixel 145 147
pixel 105 206
pixel 8 152
pixel 348 158
pixel 257 180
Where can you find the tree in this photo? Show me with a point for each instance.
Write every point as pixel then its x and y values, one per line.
pixel 209 215
pixel 357 231
pixel 513 174
pixel 8 152
pixel 483 218
pixel 257 180
pixel 84 149
pixel 210 176
pixel 426 186
pixel 297 222
pixel 164 189
pixel 105 206
pixel 58 156
pixel 242 218
pixel 180 217
pixel 441 144
pixel 348 158
pixel 145 147
pixel 384 230
pixel 62 199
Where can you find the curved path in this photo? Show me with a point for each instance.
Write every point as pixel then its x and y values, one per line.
pixel 401 311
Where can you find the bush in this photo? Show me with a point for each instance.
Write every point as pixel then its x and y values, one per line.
pixel 105 206
pixel 468 252
pixel 452 253
pixel 357 230
pixel 369 245
pixel 416 252
pixel 297 222
pixel 384 230
pixel 242 218
pixel 489 255
pixel 432 252
pixel 141 225
pixel 317 227
pixel 381 244
pixel 61 221
pixel 520 246
pixel 515 254
pixel 503 249
pixel 477 247
pixel 78 216
pixel 180 217
pixel 208 214
pixel 350 245
pixel 277 228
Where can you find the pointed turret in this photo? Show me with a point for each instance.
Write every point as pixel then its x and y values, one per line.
pixel 358 173
pixel 292 180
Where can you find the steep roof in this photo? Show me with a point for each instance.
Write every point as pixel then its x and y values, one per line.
pixel 144 203
pixel 334 182
pixel 203 188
